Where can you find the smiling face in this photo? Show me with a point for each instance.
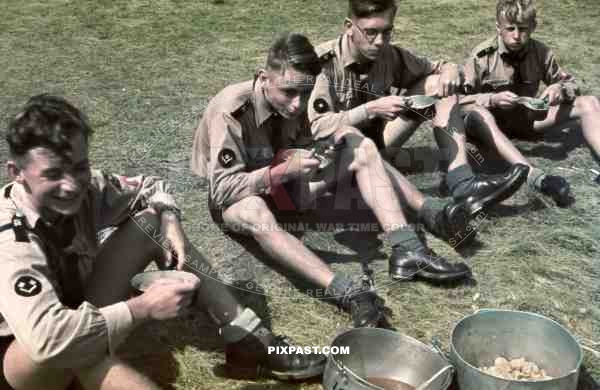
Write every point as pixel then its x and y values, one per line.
pixel 55 184
pixel 287 92
pixel 370 35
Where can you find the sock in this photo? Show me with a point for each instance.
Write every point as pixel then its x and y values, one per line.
pixel 405 238
pixel 339 287
pixel 535 177
pixel 458 178
pixel 240 327
pixel 427 212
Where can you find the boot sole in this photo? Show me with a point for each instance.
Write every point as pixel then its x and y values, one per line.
pixel 403 274
pixel 429 276
pixel 497 196
pixel 459 216
pixel 253 373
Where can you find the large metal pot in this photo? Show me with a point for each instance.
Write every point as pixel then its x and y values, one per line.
pixel 480 338
pixel 384 354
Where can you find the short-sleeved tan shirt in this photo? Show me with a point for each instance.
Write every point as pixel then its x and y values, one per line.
pixel 33 286
pixel 492 68
pixel 343 87
pixel 236 141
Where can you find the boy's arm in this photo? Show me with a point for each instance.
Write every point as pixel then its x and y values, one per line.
pixel 556 77
pixel 324 111
pixel 50 332
pixel 118 196
pixel 472 85
pixel 229 180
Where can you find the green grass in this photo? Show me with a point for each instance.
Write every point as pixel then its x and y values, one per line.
pixel 142 68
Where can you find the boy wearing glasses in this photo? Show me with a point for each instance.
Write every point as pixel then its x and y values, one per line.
pixel 361 73
pixel 512 65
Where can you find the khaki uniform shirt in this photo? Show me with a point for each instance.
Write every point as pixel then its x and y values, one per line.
pixel 33 283
pixel 343 88
pixel 491 68
pixel 236 141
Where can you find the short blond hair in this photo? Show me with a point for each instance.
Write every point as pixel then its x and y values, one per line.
pixel 516 11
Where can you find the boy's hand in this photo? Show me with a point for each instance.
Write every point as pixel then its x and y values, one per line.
pixel 387 107
pixel 450 80
pixel 504 100
pixel 163 300
pixel 553 94
pixel 296 163
pixel 174 244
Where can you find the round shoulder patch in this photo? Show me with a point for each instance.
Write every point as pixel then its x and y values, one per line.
pixel 320 105
pixel 28 286
pixel 226 158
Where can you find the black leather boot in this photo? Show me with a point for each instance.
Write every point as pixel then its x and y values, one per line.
pixel 426 264
pixel 366 309
pixel 558 189
pixel 483 191
pixel 261 354
pixel 452 224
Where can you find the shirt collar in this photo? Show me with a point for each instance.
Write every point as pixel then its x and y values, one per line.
pixel 348 52
pixel 350 56
pixel 262 108
pixel 16 192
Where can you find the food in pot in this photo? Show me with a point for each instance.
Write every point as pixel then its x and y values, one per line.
pixel 516 369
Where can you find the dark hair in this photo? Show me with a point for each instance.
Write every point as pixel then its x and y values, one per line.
pixel 516 11
pixel 48 121
pixel 366 8
pixel 295 50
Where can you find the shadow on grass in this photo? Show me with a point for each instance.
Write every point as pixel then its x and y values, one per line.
pixel 563 141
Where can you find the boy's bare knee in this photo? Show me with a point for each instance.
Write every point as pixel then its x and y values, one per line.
pixel 364 154
pixel 112 372
pixel 22 373
pixel 587 105
pixel 249 215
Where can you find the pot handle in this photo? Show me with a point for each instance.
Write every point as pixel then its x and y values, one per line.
pixel 434 379
pixel 437 345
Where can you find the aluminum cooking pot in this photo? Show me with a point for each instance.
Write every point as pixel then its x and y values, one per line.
pixel 478 339
pixel 382 359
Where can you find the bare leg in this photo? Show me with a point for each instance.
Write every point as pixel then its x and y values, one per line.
pixel 362 158
pixel 139 241
pixel 127 251
pixel 113 374
pixel 449 132
pixel 406 190
pixel 255 218
pixel 586 111
pixel 482 125
pixel 397 132
pixel 22 373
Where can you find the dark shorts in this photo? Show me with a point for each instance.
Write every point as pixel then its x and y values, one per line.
pixel 517 124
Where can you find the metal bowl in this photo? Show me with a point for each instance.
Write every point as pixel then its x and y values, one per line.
pixel 534 104
pixel 421 102
pixel 480 338
pixel 393 359
pixel 143 280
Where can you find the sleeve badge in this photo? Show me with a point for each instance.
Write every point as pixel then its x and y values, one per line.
pixel 28 286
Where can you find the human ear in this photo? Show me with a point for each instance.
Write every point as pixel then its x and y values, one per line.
pixel 14 172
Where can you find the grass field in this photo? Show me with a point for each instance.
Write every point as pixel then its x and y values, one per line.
pixel 142 70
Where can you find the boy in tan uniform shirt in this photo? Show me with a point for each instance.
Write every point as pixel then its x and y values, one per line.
pixel 62 306
pixel 362 73
pixel 242 146
pixel 512 65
